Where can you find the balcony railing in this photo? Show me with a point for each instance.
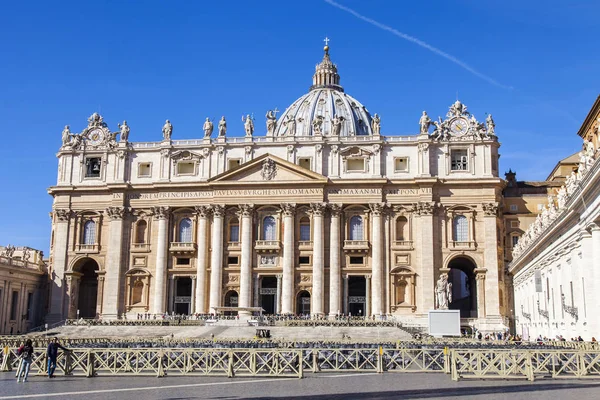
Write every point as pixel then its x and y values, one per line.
pixel 405 244
pixel 234 245
pixel 356 245
pixel 305 245
pixel 87 248
pixel 182 247
pixel 267 245
pixel 463 245
pixel 140 247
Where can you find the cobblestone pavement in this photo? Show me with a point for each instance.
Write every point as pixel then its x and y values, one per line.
pixel 314 386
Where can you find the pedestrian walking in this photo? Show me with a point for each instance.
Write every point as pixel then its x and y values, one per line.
pixel 26 354
pixel 52 354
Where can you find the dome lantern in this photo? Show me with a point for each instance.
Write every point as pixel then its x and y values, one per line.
pixel 326 75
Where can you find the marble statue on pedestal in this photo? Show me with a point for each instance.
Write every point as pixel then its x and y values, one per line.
pixel 561 197
pixel 207 128
pixel 290 124
pixel 66 136
pixel 491 125
pixel 248 125
pixel 336 125
pixel 271 122
pixel 222 127
pixel 124 129
pixel 443 292
pixel 376 125
pixel 424 123
pixel 167 130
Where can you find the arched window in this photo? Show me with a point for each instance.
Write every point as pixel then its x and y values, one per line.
pixel 234 230
pixel 89 232
pixel 185 230
pixel 269 232
pixel 402 229
pixel 356 228
pixel 304 229
pixel 137 292
pixel 460 229
pixel 140 232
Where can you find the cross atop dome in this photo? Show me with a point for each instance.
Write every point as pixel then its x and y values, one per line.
pixel 326 75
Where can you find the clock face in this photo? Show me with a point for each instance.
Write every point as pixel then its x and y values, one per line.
pixel 459 126
pixel 96 137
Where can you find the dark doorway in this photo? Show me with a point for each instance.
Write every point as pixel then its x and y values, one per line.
pixel 88 289
pixel 268 294
pixel 357 295
pixel 464 287
pixel 231 300
pixel 183 295
pixel 303 303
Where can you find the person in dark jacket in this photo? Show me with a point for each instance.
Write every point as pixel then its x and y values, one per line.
pixel 52 354
pixel 26 354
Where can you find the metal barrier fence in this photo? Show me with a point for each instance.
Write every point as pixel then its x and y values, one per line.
pixel 459 363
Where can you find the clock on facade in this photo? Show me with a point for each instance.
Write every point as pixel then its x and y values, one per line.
pixel 459 126
pixel 95 137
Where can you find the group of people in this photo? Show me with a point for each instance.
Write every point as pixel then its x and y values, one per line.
pixel 25 353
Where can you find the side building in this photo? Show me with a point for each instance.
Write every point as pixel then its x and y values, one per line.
pixel 23 289
pixel 322 215
pixel 556 261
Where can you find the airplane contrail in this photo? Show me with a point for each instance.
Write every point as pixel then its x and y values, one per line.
pixel 420 43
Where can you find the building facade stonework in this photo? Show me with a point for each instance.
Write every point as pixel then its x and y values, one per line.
pixel 322 215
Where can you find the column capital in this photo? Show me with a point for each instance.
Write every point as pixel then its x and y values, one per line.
pixel 368 276
pixel 63 215
pixel 425 207
pixel 490 209
pixel 160 212
pixel 279 276
pixel 116 213
pixel 218 210
pixel 377 208
pixel 203 211
pixel 193 277
pixel 317 208
pixel 335 209
pixel 288 209
pixel 245 210
pixel 345 276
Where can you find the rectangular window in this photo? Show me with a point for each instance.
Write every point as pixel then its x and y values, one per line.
pixel 304 162
pixel 92 167
pixel 304 260
pixel 355 165
pixel 234 233
pixel 357 260
pixel 513 208
pixel 514 224
pixel 233 163
pixel 304 232
pixel 459 160
pixel 185 168
pixel 232 260
pixel 401 164
pixel 183 261
pixel 144 170
pixel 29 304
pixel 515 240
pixel 13 305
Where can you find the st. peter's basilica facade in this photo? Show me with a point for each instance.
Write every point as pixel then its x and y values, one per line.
pixel 322 215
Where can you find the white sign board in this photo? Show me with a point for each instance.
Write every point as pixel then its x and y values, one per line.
pixel 444 323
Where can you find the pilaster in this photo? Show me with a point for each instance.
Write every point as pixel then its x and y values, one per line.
pixel 287 291
pixel 114 269
pixel 59 266
pixel 161 215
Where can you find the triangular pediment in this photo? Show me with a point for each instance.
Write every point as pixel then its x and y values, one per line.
pixel 269 169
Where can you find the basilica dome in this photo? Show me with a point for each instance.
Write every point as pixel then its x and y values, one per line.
pixel 325 109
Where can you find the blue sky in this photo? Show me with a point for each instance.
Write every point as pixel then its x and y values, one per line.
pixel 146 61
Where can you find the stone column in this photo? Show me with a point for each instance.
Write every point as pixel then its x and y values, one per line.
pixel 171 307
pixel 278 299
pixel 161 214
pixel 593 276
pixel 193 298
pixel 216 259
pixel 287 290
pixel 424 210
pixel 318 287
pixel 490 256
pixel 201 263
pixel 377 258
pixel 59 266
pixel 256 302
pixel 335 296
pixel 245 215
pixel 481 292
pixel 112 306
pixel 345 276
pixel 367 296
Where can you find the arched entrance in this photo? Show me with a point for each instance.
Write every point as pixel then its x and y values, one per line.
pixel 303 302
pixel 231 300
pixel 268 292
pixel 357 295
pixel 88 288
pixel 464 287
